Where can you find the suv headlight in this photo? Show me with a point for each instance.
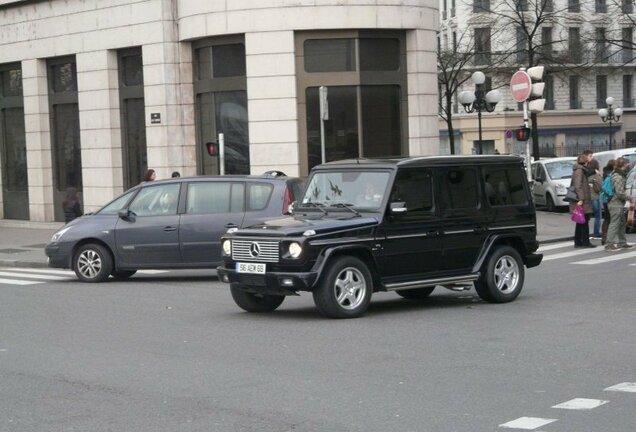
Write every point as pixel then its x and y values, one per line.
pixel 58 235
pixel 295 250
pixel 560 188
pixel 227 247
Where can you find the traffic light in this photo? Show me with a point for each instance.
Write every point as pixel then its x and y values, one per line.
pixel 536 102
pixel 522 134
pixel 212 148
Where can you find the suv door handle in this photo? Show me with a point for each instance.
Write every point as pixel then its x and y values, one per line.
pixel 231 225
pixel 169 228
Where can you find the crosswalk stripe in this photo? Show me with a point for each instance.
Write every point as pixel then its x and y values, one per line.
pixel 18 282
pixel 614 257
pixel 571 253
pixel 31 276
pixel 554 246
pixel 34 270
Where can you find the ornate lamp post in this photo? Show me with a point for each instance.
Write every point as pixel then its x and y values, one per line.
pixel 477 101
pixel 610 115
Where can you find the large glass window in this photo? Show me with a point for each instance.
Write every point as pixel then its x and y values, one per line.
pixel 366 95
pixel 459 188
pixel 504 186
pixel 65 130
pixel 628 102
pixel 482 46
pixel 414 187
pixel 220 87
pixel 214 197
pixel 13 156
pixel 601 90
pixel 133 124
pixel 159 200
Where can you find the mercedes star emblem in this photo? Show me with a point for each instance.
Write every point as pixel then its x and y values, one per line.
pixel 255 249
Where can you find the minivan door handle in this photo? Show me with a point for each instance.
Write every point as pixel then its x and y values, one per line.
pixel 169 228
pixel 231 225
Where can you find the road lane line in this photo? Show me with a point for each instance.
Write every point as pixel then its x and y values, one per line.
pixel 33 270
pixel 628 387
pixel 554 246
pixel 32 276
pixel 18 282
pixel 575 252
pixel 608 258
pixel 152 272
pixel 581 404
pixel 527 423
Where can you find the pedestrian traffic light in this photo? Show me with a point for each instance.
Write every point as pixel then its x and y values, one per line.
pixel 536 102
pixel 522 134
pixel 212 148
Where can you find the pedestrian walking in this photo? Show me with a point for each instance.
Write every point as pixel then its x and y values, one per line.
pixel 607 170
pixel 616 238
pixel 71 205
pixel 582 188
pixel 595 180
pixel 150 175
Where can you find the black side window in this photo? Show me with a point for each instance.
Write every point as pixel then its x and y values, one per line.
pixel 459 188
pixel 414 187
pixel 503 186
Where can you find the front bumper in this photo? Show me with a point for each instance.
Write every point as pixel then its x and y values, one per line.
pixel 280 283
pixel 59 255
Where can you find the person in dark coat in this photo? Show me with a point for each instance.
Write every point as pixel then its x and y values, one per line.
pixel 582 187
pixel 71 205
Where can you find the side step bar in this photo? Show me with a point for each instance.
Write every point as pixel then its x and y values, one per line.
pixel 431 282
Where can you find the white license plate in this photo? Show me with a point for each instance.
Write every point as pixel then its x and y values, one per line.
pixel 250 268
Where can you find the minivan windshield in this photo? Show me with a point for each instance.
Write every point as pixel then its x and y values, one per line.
pixel 560 169
pixel 360 189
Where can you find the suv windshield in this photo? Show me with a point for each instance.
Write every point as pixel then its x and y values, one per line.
pixel 560 169
pixel 361 189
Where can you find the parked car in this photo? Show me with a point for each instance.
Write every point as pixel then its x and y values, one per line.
pixel 627 153
pixel 551 178
pixel 404 225
pixel 174 223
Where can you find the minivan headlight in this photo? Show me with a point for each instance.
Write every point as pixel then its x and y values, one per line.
pixel 561 189
pixel 58 235
pixel 227 247
pixel 295 250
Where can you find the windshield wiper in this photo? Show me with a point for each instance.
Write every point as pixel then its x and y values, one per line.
pixel 347 206
pixel 319 206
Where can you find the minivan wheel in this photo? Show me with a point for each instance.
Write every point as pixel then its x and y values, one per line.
pixel 251 302
pixel 92 263
pixel 123 274
pixel 415 294
pixel 502 276
pixel 549 203
pixel 345 290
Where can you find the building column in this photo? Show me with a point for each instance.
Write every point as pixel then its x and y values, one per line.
pixel 423 119
pixel 38 140
pixel 271 93
pixel 100 132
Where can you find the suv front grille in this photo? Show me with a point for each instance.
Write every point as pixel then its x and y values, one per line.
pixel 250 250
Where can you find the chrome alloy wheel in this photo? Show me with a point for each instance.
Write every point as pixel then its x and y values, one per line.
pixel 506 274
pixel 89 263
pixel 350 288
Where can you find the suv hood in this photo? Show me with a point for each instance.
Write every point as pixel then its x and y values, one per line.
pixel 296 226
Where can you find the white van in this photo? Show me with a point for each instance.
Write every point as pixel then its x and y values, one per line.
pixel 604 156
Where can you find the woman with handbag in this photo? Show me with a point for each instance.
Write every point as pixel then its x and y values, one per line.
pixel 582 187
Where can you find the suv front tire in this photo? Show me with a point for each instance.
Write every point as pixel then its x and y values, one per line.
pixel 345 291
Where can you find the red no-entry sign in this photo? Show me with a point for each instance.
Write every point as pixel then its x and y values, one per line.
pixel 520 86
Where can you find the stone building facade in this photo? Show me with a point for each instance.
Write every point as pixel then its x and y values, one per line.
pixel 95 92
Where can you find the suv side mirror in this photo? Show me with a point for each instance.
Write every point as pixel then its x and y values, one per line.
pixel 398 207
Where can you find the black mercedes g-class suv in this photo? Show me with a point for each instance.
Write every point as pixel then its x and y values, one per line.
pixel 405 225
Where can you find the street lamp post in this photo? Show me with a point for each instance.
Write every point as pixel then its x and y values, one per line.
pixel 475 101
pixel 609 114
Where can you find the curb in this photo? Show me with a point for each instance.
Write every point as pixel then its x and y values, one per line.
pixel 20 263
pixel 556 240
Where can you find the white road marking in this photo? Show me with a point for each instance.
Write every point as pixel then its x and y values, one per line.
pixel 574 252
pixel 627 387
pixel 581 404
pixel 152 272
pixel 31 276
pixel 34 270
pixel 527 423
pixel 554 246
pixel 608 258
pixel 18 282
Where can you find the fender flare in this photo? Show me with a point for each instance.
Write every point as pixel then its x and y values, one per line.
pixel 490 243
pixel 327 253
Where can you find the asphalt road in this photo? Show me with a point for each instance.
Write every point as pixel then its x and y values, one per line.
pixel 171 352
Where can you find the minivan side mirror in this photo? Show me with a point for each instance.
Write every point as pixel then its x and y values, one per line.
pixel 124 214
pixel 398 207
pixel 290 208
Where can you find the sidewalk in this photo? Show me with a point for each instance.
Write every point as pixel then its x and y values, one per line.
pixel 22 242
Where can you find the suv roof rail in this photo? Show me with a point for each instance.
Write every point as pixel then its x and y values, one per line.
pixel 274 173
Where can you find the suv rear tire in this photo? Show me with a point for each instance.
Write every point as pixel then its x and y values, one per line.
pixel 416 294
pixel 92 263
pixel 345 290
pixel 502 276
pixel 251 302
